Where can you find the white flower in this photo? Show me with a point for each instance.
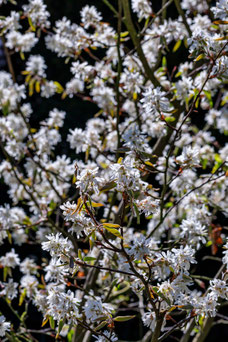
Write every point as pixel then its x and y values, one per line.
pixel 135 140
pixel 29 283
pixel 74 86
pixel 132 81
pixel 126 175
pixel 206 305
pixel 55 271
pixel 221 9
pixel 36 65
pixel 147 205
pixel 21 42
pixel 139 247
pixel 28 266
pixel 88 181
pixel 56 118
pixel 11 259
pixel 179 259
pixel 184 88
pixel 9 289
pixel 142 8
pixel 11 22
pixel 219 289
pixel 194 231
pixel 225 258
pixel 82 223
pixel 155 103
pixel 149 320
pixel 110 335
pixel 48 89
pixel 56 245
pixel 183 257
pixel 77 140
pixel 212 116
pixel 3 235
pixel 189 157
pixel 4 326
pixel 90 16
pixel 94 308
pixel 36 10
pixel 62 305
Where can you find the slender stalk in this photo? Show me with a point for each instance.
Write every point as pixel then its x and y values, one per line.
pixel 135 39
pixel 8 59
pixel 119 68
pixel 157 330
pixel 103 268
pixel 205 330
pixel 181 13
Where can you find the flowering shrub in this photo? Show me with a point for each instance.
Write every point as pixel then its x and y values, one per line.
pixel 126 217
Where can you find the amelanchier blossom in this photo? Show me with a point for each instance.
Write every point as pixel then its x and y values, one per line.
pixel 121 210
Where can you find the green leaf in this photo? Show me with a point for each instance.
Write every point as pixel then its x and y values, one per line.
pixel 97 205
pixel 170 119
pixel 101 325
pixel 23 316
pixel 31 87
pixel 218 158
pixel 51 322
pixel 45 320
pixel 197 103
pixel 5 273
pixel 114 232
pixel 164 61
pixel 208 96
pixel 9 237
pixel 22 55
pixel 224 101
pixel 91 243
pixel 201 56
pixel 178 74
pixel 137 213
pixel 108 187
pixel 209 243
pixel 22 297
pixel 201 320
pixel 123 318
pixel 60 89
pixel 160 294
pixel 169 205
pixel 79 254
pixel 186 43
pixel 124 34
pixel 177 45
pixel 61 324
pixel 37 86
pixel 89 259
pixel 31 24
pixel 5 108
pixel 70 335
pixel 216 166
pixel 111 225
pixel 185 307
pixel 204 163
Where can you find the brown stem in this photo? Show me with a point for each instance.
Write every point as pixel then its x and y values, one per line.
pixel 8 59
pixel 157 329
pixel 135 39
pixel 181 13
